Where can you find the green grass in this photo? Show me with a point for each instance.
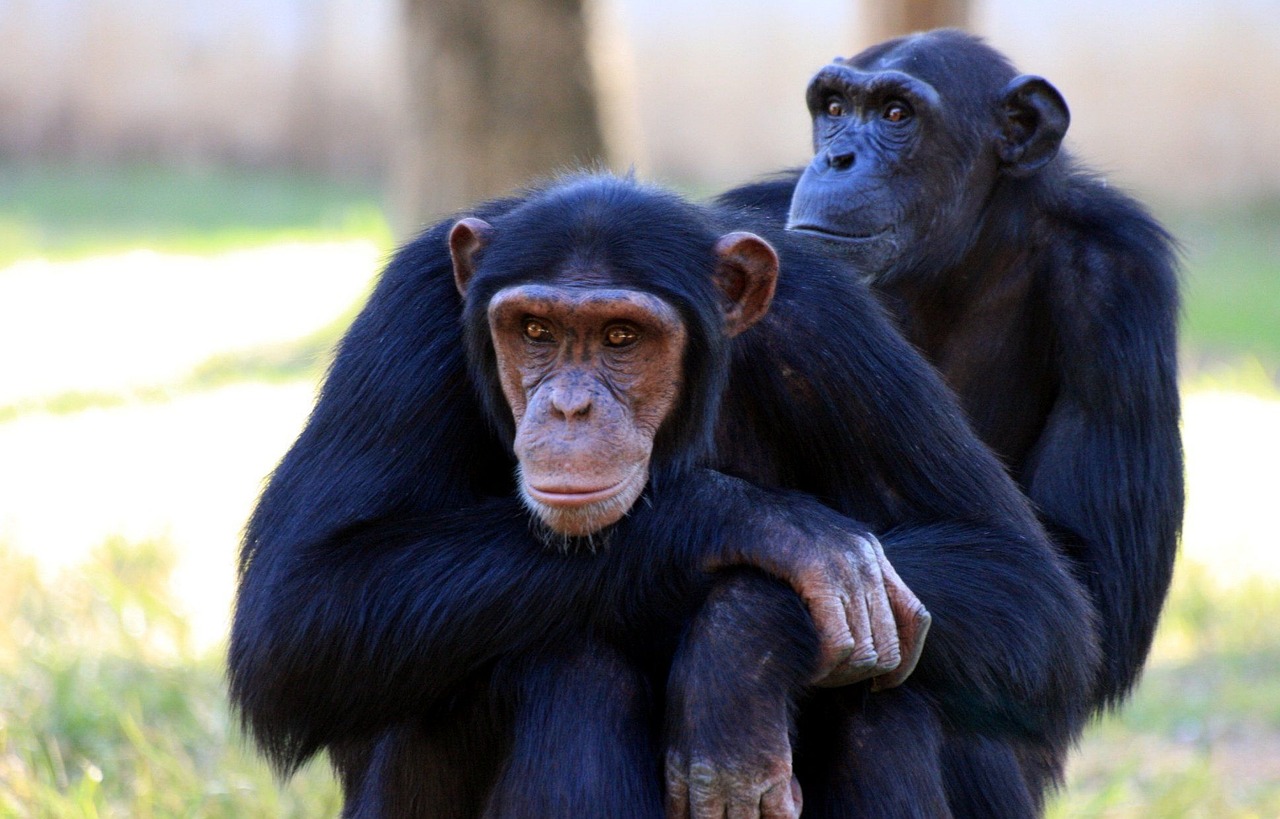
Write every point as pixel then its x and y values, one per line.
pixel 303 358
pixel 1201 736
pixel 105 710
pixel 65 212
pixel 1232 284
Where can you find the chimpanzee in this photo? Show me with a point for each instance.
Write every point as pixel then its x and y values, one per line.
pixel 398 608
pixel 1047 299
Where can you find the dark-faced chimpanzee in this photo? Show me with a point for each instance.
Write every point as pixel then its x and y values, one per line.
pixel 1046 298
pixel 398 608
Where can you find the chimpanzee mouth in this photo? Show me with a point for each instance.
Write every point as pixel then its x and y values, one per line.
pixel 827 233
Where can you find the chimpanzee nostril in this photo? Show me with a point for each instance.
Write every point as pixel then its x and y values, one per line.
pixel 840 161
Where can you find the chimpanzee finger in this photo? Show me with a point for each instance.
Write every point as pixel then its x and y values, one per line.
pixel 835 641
pixel 677 788
pixel 782 801
pixel 707 806
pixel 706 801
pixel 913 626
pixel 861 662
pixel 884 630
pixel 746 807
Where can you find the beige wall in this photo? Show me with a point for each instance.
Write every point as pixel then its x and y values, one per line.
pixel 1180 100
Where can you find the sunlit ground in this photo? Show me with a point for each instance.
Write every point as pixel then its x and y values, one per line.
pixel 119 422
pixel 141 449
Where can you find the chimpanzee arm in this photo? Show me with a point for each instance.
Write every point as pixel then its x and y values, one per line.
pixel 983 672
pixel 1107 471
pixel 341 637
pixel 844 410
pixel 376 622
pixel 730 722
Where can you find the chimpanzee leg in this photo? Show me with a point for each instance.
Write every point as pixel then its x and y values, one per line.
pixel 584 740
pixel 440 768
pixel 985 779
pixel 865 754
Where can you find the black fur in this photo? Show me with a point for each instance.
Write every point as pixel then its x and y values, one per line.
pixel 1051 310
pixel 395 609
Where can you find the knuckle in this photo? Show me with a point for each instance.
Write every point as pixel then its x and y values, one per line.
pixel 834 604
pixel 837 650
pixel 702 774
pixel 888 661
pixel 862 660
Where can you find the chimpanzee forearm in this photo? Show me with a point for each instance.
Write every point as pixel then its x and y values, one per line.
pixel 378 621
pixel 998 669
pixel 744 658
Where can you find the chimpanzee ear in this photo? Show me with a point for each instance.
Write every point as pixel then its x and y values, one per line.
pixel 746 274
pixel 467 238
pixel 1034 121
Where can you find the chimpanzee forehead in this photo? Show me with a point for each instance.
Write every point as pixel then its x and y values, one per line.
pixel 947 59
pixel 874 82
pixel 584 299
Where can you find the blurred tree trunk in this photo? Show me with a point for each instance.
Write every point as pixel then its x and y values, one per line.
pixel 499 92
pixel 882 19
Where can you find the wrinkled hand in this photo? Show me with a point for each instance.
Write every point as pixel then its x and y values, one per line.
pixel 699 789
pixel 870 625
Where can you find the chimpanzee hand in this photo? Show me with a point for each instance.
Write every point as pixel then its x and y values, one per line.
pixel 870 625
pixel 728 704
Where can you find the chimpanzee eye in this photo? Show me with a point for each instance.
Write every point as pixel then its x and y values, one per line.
pixel 896 111
pixel 535 330
pixel 620 335
pixel 835 107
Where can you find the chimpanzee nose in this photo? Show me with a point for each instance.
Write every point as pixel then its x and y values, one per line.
pixel 840 160
pixel 571 401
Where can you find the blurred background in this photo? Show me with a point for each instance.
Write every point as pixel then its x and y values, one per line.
pixel 195 197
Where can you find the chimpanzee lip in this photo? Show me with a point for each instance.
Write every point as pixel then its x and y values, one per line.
pixel 827 233
pixel 565 497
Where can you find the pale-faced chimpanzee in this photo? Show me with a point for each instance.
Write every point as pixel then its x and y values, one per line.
pixel 1046 298
pixel 397 609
